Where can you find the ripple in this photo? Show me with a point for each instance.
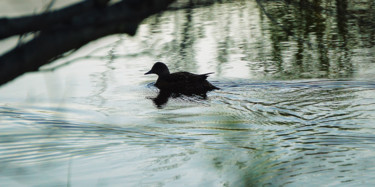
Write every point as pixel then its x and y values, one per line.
pixel 316 126
pixel 264 132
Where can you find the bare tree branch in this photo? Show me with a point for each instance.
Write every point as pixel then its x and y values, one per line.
pixel 69 29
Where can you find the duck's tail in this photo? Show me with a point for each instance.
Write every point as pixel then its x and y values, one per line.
pixel 204 76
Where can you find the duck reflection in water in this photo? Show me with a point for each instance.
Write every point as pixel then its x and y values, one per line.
pixel 179 83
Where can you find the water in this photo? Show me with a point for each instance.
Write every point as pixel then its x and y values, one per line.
pixel 288 113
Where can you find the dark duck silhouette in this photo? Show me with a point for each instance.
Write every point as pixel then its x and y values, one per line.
pixel 180 82
pixel 175 84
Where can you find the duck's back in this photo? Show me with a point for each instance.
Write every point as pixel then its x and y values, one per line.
pixel 185 82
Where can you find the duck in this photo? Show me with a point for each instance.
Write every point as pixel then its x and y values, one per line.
pixel 181 82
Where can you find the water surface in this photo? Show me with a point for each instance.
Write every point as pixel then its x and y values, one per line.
pixel 293 109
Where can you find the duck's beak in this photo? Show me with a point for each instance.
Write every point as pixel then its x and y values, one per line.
pixel 149 72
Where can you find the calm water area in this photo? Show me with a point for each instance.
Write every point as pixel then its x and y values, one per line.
pixel 296 105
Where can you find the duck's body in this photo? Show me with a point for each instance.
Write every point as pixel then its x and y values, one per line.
pixel 185 82
pixel 180 82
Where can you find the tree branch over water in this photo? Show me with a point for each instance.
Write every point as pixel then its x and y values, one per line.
pixel 68 29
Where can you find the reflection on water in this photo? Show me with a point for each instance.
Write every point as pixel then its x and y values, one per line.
pixel 163 96
pixel 296 104
pixel 251 134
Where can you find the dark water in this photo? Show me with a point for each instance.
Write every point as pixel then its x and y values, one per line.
pixel 296 105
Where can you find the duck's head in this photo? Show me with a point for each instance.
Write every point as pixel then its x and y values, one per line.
pixel 159 69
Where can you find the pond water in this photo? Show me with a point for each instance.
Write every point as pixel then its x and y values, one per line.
pixel 293 109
